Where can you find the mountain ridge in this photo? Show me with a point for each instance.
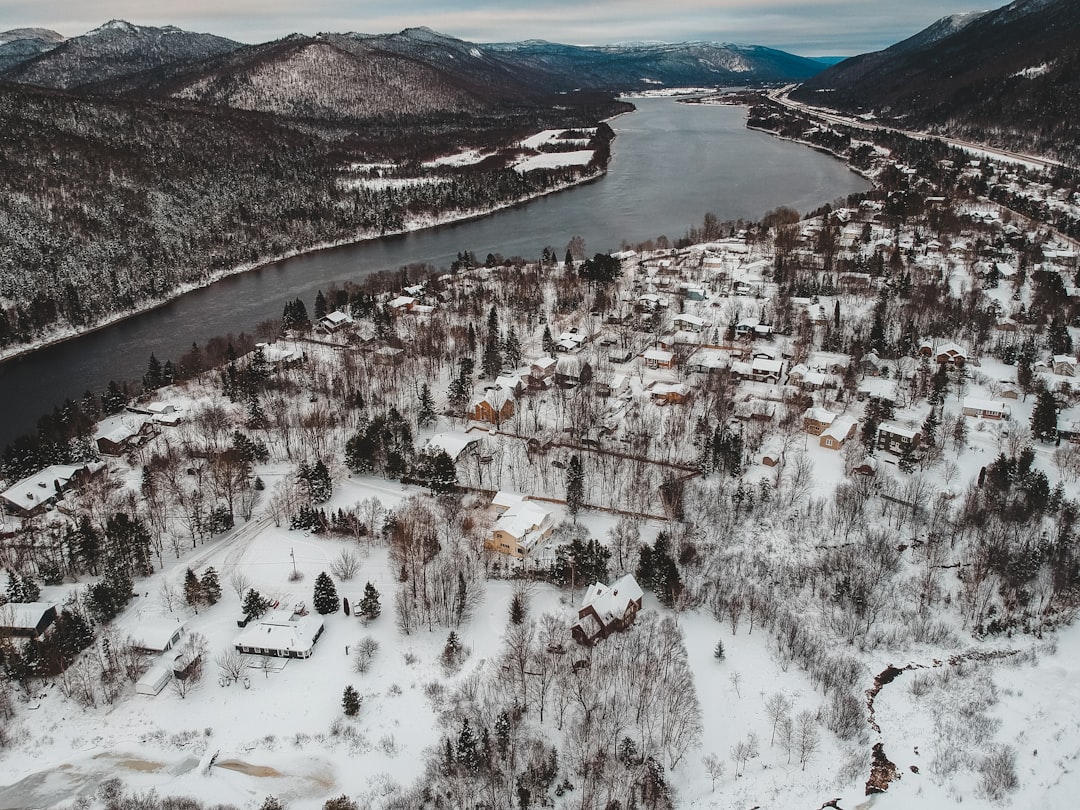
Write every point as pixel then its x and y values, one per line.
pixel 1008 77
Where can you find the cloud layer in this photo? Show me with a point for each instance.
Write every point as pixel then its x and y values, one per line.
pixel 809 27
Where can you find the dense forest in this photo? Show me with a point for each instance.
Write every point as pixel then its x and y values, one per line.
pixel 109 206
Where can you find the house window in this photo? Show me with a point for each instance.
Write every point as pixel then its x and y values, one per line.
pixel 828 442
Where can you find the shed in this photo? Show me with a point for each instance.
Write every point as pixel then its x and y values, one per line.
pixel 156 678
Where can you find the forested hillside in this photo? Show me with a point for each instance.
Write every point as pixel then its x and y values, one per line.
pixel 1009 78
pixel 109 206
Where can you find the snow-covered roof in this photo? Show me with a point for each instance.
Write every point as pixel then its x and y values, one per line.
pixel 898 430
pixel 503 500
pixel 523 518
pixel 24 615
pixel 663 389
pixel 452 442
pixel 402 301
pixel 763 366
pixel 610 603
pixel 282 631
pixel 157 634
pixel 985 405
pixel 819 415
pixel 658 355
pixel 840 428
pixel 691 319
pixel 41 486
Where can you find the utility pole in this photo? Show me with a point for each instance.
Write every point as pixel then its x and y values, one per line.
pixel 292 556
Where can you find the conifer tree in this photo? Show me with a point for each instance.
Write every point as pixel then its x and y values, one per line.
pixel 211 587
pixel 350 701
pixel 426 411
pixel 255 604
pixel 369 603
pixel 193 592
pixel 1044 417
pixel 575 487
pixel 325 597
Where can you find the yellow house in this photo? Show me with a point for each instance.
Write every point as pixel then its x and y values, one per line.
pixel 520 528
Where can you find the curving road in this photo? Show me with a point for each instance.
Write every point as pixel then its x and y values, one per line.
pixel 781 97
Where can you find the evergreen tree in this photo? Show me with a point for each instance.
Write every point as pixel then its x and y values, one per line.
pixel 325 597
pixel 1058 340
pixel 317 476
pixel 152 379
pixel 517 609
pixel 88 544
pixel 575 487
pixel 255 605
pixel 320 305
pixel 350 701
pixel 22 588
pixel 211 588
pixel 718 651
pixel 467 755
pixel 193 593
pixel 369 603
pixel 548 342
pixel 426 411
pixel 512 348
pixel 493 360
pixel 114 399
pixel 1044 417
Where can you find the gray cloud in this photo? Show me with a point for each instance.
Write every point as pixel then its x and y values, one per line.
pixel 811 27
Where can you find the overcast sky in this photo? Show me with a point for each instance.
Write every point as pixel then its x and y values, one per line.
pixel 807 27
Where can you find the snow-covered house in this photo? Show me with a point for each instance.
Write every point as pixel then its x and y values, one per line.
pixel 520 528
pixel 838 433
pixel 897 439
pixel 768 371
pixel 26 619
pixel 156 677
pixel 1064 365
pixel 612 385
pixel 452 442
pixel 281 633
pixel 664 393
pixel 34 494
pixel 496 405
pixel 333 321
pixel 689 323
pixel 607 609
pixel 817 420
pixel 985 408
pixel 658 358
pixel 157 636
pixel 541 372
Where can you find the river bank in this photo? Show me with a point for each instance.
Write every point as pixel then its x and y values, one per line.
pixel 416 224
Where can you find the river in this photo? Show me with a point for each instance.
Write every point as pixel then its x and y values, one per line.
pixel 672 162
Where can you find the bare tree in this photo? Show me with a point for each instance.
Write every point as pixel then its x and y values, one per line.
pixel 777 707
pixel 807 738
pixel 231 664
pixel 364 652
pixel 345 565
pixel 240 583
pixel 169 595
pixel 714 768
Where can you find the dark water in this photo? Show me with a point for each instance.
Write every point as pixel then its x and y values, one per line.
pixel 672 163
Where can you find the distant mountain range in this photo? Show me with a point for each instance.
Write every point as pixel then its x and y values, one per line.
pixel 350 76
pixel 1009 77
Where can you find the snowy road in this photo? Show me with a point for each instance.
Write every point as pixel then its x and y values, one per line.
pixel 829 116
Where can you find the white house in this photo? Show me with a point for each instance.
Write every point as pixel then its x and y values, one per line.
pixel 281 633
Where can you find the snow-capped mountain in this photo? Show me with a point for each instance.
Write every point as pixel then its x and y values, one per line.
pixel 116 50
pixel 23 44
pixel 1008 76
